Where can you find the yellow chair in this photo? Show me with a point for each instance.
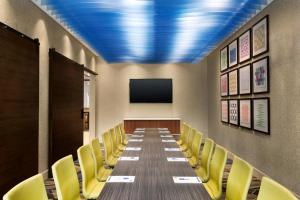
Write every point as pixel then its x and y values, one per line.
pixel 271 190
pixel 124 140
pixel 194 159
pixel 185 139
pixel 183 126
pixel 91 187
pixel 65 179
pixel 101 172
pixel 188 152
pixel 110 160
pixel 115 150
pixel 214 185
pixel 203 169
pixel 31 189
pixel 239 180
pixel 121 146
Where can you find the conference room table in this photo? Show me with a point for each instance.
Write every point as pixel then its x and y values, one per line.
pixel 153 173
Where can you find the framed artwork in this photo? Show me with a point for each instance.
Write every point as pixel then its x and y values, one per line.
pixel 245 107
pixel 233 82
pixel 234 112
pixel 224 85
pixel 260 75
pixel 233 53
pixel 245 79
pixel 224 111
pixel 224 59
pixel 260 37
pixel 245 46
pixel 261 115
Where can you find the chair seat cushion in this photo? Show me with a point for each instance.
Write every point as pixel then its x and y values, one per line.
pixel 202 173
pixel 103 173
pixel 212 188
pixel 94 189
pixel 193 161
pixel 188 153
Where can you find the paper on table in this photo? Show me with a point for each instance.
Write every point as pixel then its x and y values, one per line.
pixel 140 129
pixel 168 140
pixel 166 136
pixel 172 149
pixel 187 179
pixel 133 148
pixel 124 158
pixel 120 179
pixel 176 159
pixel 135 140
pixel 163 129
pixel 139 136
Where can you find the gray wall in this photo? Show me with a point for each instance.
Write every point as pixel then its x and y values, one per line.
pixel 277 155
pixel 189 94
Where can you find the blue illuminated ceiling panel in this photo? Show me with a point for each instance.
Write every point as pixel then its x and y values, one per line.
pixel 153 31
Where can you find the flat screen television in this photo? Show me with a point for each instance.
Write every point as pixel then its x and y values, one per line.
pixel 151 90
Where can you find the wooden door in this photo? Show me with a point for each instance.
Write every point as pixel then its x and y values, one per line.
pixel 19 103
pixel 65 107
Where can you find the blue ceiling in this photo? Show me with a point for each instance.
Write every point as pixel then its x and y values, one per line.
pixel 153 31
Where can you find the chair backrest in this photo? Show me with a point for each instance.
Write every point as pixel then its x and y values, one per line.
pixel 206 154
pixel 87 167
pixel 216 169
pixel 122 131
pixel 187 131
pixel 270 189
pixel 113 139
pixel 107 145
pixel 239 180
pixel 183 126
pixel 197 144
pixel 65 179
pixel 191 137
pixel 31 189
pixel 97 154
pixel 118 135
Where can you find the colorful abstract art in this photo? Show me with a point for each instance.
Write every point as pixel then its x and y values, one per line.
pixel 233 82
pixel 245 113
pixel 261 115
pixel 224 59
pixel 245 80
pixel 260 74
pixel 260 35
pixel 233 112
pixel 233 54
pixel 224 111
pixel 224 85
pixel 245 46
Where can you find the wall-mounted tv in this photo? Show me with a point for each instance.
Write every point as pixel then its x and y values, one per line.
pixel 151 90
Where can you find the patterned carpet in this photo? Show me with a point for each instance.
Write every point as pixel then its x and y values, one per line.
pixel 252 194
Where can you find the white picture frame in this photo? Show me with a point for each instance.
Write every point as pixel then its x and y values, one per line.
pixel 233 82
pixel 233 53
pixel 245 79
pixel 224 85
pixel 261 115
pixel 245 107
pixel 224 59
pixel 260 76
pixel 234 112
pixel 260 37
pixel 245 46
pixel 224 111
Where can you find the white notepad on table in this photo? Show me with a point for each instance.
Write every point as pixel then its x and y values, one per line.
pixel 187 179
pixel 168 140
pixel 125 158
pixel 120 179
pixel 137 136
pixel 172 149
pixel 135 140
pixel 163 129
pixel 166 136
pixel 140 129
pixel 176 159
pixel 133 148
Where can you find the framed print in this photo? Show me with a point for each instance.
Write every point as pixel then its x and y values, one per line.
pixel 233 82
pixel 224 111
pixel 224 85
pixel 261 115
pixel 245 79
pixel 233 53
pixel 245 107
pixel 224 59
pixel 260 75
pixel 245 46
pixel 234 112
pixel 260 37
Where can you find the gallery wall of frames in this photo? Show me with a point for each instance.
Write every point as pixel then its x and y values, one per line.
pixel 244 65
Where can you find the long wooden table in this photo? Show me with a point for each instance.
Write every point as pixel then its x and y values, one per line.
pixel 153 173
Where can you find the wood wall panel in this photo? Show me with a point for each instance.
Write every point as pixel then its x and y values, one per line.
pixel 172 125
pixel 65 107
pixel 19 101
